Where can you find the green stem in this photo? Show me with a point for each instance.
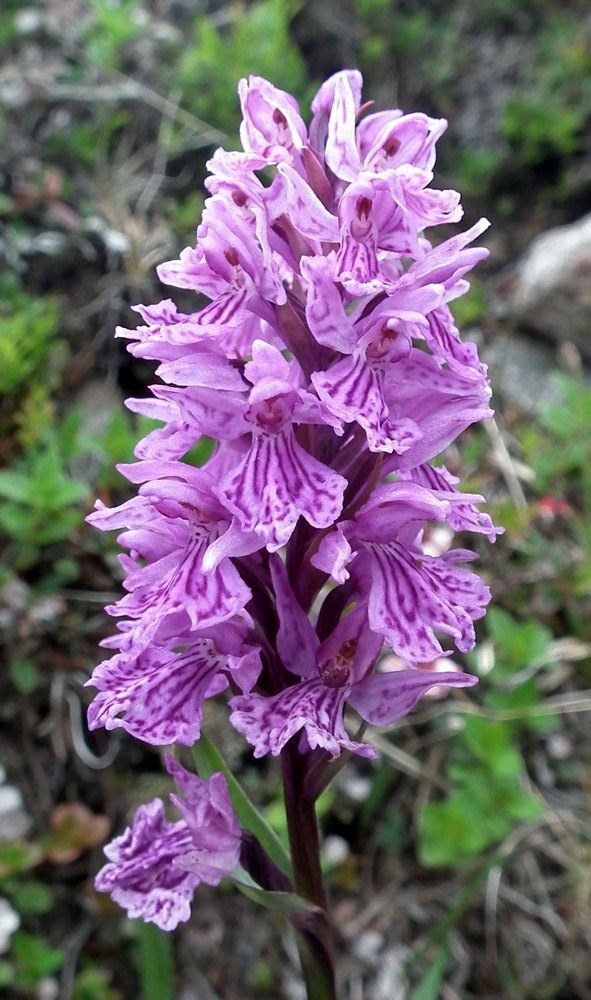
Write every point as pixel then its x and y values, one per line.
pixel 314 933
pixel 155 960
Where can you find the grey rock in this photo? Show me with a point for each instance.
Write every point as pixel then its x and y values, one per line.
pixel 368 946
pixel 97 400
pixel 550 289
pixel 521 370
pixel 15 822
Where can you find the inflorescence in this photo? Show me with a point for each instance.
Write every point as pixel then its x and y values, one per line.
pixel 329 372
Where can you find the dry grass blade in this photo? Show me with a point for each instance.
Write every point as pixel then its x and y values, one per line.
pixel 512 474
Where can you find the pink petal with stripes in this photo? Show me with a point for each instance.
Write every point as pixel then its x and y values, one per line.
pixel 276 483
pixel 383 698
pixel 157 696
pixel 353 390
pixel 269 723
pixel 410 599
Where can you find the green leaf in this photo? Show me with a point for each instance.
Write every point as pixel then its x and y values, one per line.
pixel 524 700
pixel 450 831
pixel 33 897
pixel 35 957
pixel 257 40
pixel 24 675
pixel 61 527
pixel 155 962
pixel 490 743
pixel 428 987
pixel 287 903
pixel 440 931
pixel 520 805
pixel 516 644
pixel 207 760
pixel 19 522
pixel 200 452
pixel 18 857
pixel 481 812
pixel 92 984
pixel 6 973
pixel 16 486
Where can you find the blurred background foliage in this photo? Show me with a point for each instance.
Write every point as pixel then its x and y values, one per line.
pixel 461 865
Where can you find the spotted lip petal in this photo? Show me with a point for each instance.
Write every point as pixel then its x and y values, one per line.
pixel 276 484
pixel 440 402
pixel 410 599
pixel 169 536
pixel 353 390
pixel 330 671
pixel 443 339
pixel 269 723
pixel 141 875
pixel 158 695
pixel 463 515
pixel 316 705
pixel 180 585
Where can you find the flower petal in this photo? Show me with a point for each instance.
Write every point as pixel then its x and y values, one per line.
pixel 215 833
pixel 333 555
pixel 353 390
pixel 325 311
pixel 342 155
pixel 297 641
pixel 276 483
pixel 159 693
pixel 383 698
pixel 412 598
pixel 268 723
pixel 141 875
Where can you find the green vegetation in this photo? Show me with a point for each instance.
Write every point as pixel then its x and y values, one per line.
pixel 548 116
pixel 255 39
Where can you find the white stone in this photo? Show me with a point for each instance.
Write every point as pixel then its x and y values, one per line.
pixel 10 799
pixel 9 923
pixel 551 291
pixel 47 989
pixel 368 946
pixel 335 851
pixel 27 21
pixel 15 822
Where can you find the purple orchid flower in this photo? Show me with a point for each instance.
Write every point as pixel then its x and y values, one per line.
pixel 155 866
pixel 327 368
